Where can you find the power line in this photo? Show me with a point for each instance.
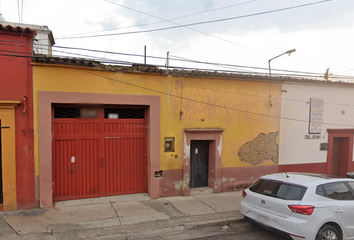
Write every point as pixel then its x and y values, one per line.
pixel 184 16
pixel 224 65
pixel 192 29
pixel 305 74
pixel 205 103
pixel 237 93
pixel 18 11
pixel 21 11
pixel 203 22
pixel 349 70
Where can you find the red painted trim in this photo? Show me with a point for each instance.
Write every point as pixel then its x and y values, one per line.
pixel 214 138
pixel 320 168
pixel 236 178
pixel 1 207
pixel 333 133
pixel 45 101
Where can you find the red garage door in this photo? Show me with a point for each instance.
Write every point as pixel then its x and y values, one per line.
pixel 98 151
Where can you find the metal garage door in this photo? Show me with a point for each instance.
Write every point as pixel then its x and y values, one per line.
pixel 98 151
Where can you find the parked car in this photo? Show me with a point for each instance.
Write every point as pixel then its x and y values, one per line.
pixel 302 206
pixel 350 175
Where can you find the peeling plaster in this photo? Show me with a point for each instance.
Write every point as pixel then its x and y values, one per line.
pixel 220 146
pixel 178 185
pixel 224 180
pixel 186 180
pixel 186 150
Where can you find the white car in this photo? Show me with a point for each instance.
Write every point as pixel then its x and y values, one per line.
pixel 302 206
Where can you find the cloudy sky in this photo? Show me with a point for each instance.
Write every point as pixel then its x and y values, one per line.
pixel 323 34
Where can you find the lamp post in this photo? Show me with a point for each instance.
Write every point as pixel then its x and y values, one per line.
pixel 287 52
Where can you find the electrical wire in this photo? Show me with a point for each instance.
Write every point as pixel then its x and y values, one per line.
pixel 183 60
pixel 167 20
pixel 200 23
pixel 218 90
pixel 18 10
pixel 184 16
pixel 224 65
pixel 205 103
pixel 199 62
pixel 22 11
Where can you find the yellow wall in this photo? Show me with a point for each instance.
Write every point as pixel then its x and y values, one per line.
pixel 244 95
pixel 7 117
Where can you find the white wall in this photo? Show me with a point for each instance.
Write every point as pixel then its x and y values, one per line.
pixel 43 44
pixel 293 147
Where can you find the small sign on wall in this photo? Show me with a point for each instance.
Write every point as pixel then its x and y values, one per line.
pixel 323 146
pixel 316 115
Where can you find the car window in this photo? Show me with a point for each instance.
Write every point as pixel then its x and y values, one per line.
pixel 351 184
pixel 278 189
pixel 320 191
pixel 337 191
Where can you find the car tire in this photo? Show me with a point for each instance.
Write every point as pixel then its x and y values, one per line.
pixel 328 232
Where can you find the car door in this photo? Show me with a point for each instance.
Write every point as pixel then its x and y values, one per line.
pixel 340 199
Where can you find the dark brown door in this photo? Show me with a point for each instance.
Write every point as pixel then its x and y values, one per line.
pixel 199 163
pixel 340 156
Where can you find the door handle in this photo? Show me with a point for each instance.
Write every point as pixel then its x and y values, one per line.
pixel 338 210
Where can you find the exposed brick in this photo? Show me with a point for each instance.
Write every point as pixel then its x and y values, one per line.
pixel 263 148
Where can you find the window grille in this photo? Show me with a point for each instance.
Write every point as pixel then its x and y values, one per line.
pixel 66 112
pixel 124 113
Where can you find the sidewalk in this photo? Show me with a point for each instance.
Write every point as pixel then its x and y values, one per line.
pixel 121 217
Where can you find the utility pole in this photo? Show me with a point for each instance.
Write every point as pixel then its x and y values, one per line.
pixel 145 55
pixel 167 62
pixel 326 74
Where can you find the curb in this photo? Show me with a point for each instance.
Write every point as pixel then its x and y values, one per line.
pixel 208 223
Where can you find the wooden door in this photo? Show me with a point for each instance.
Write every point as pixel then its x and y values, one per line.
pixel 340 156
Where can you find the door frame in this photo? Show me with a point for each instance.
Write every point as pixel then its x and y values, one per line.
pixel 339 133
pixel 7 116
pixel 45 101
pixel 214 136
pixel 197 155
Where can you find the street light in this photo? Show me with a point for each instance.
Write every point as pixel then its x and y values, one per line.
pixel 287 52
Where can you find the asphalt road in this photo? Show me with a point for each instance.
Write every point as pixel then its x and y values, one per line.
pixel 238 231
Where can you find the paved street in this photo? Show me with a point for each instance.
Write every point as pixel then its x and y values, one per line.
pixel 204 216
pixel 235 231
pixel 125 217
pixel 239 231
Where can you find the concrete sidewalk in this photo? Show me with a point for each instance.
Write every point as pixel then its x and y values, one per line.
pixel 122 217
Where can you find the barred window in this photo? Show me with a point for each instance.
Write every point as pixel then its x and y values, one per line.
pixel 66 112
pixel 124 113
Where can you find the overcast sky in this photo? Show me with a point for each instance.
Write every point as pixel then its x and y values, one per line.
pixel 323 34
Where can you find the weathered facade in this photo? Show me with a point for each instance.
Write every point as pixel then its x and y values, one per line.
pixel 317 128
pixel 213 129
pixel 16 119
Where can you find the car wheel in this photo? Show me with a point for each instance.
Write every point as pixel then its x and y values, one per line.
pixel 328 232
